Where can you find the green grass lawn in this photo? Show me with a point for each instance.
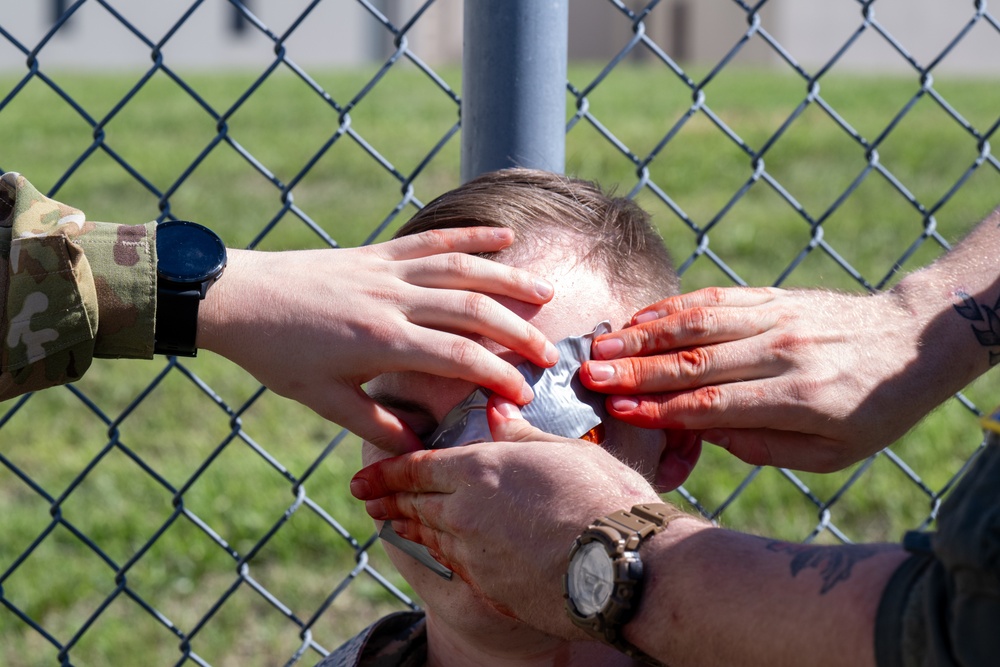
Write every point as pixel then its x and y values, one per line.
pixel 346 194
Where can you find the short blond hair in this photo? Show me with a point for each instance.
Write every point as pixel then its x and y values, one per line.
pixel 613 234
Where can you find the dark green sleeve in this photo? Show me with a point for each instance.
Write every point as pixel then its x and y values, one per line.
pixel 942 605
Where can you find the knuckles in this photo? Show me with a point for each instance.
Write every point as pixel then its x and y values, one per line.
pixel 477 307
pixel 463 352
pixel 787 344
pixel 699 321
pixel 702 401
pixel 715 296
pixel 459 264
pixel 709 399
pixel 693 364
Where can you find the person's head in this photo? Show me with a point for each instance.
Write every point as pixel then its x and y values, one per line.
pixel 605 261
pixel 550 213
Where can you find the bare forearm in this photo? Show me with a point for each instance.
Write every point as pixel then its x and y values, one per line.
pixel 957 299
pixel 808 379
pixel 715 597
pixel 316 325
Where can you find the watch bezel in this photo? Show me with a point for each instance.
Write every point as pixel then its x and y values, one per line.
pixel 622 534
pixel 626 568
pixel 178 238
pixel 577 578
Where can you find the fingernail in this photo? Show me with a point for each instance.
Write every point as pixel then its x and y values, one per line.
pixel 527 395
pixel 624 403
pixel 648 316
pixel 601 372
pixel 544 288
pixel 360 488
pixel 609 348
pixel 376 509
pixel 507 409
pixel 717 438
pixel 551 354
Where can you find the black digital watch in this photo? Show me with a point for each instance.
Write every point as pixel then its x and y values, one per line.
pixel 189 259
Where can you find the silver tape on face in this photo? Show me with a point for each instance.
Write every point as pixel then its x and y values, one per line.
pixel 562 406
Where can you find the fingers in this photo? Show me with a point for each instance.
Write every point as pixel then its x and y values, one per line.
pixel 433 539
pixel 354 410
pixel 415 531
pixel 507 424
pixel 417 472
pixel 693 327
pixel 688 368
pixel 719 406
pixel 468 272
pixel 798 451
pixel 710 297
pixel 462 240
pixel 445 258
pixel 451 356
pixel 473 313
pixel 425 508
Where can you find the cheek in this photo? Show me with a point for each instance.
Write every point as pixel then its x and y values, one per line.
pixel 639 448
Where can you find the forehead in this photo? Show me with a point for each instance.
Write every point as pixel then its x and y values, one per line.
pixel 582 299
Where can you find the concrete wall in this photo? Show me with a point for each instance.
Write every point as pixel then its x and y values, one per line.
pixel 924 27
pixel 334 33
pixel 342 32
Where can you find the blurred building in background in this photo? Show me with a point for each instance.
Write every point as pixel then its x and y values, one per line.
pixel 347 33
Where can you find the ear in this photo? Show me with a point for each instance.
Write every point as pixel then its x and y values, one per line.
pixel 680 453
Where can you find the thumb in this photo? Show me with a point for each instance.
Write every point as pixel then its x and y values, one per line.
pixel 507 424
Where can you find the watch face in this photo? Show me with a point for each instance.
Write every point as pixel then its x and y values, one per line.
pixel 187 252
pixel 590 579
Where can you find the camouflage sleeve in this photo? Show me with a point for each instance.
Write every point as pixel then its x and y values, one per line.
pixel 70 290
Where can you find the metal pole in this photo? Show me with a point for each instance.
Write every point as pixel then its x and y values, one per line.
pixel 514 85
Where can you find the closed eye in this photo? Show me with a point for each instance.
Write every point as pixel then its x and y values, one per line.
pixel 414 414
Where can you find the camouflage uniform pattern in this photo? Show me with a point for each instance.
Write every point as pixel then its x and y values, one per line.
pixel 396 640
pixel 942 606
pixel 71 289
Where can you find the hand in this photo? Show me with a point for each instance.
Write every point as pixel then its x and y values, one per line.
pixel 503 515
pixel 315 325
pixel 811 380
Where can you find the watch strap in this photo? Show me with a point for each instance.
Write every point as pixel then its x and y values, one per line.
pixel 177 333
pixel 640 522
pixel 632 527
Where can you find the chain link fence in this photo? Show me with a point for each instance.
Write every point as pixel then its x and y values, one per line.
pixel 175 512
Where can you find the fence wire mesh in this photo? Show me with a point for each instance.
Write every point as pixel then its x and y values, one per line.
pixel 176 512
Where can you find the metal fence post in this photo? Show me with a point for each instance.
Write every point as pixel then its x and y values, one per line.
pixel 514 85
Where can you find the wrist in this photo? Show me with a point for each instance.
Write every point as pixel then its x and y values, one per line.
pixel 668 563
pixel 606 577
pixel 226 304
pixel 948 355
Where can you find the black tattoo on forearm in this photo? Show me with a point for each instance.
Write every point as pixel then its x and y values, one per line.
pixel 834 563
pixel 989 336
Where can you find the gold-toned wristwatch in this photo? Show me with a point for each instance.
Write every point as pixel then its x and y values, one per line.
pixel 604 581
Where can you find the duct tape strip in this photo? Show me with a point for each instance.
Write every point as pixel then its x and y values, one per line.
pixel 562 406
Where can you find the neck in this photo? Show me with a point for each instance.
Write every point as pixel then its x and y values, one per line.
pixel 510 644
